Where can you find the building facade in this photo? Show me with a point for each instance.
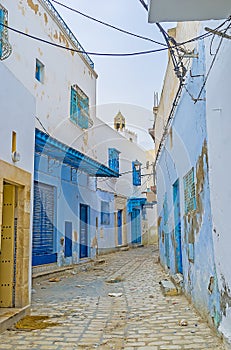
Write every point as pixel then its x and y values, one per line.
pixel 85 177
pixel 191 150
pixel 16 188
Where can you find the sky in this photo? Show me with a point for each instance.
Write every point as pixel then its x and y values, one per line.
pixel 124 83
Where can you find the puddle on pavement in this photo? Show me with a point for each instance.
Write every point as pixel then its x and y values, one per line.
pixel 35 322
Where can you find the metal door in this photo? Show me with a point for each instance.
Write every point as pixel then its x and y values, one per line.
pixel 136 226
pixel 83 249
pixel 68 239
pixel 119 226
pixel 7 247
pixel 166 231
pixel 43 225
pixel 177 226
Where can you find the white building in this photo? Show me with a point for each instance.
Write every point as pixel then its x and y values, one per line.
pixel 77 210
pixel 16 175
pixel 193 148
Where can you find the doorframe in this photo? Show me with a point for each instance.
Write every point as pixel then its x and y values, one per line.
pixel 139 228
pixel 177 226
pixel 87 230
pixel 22 180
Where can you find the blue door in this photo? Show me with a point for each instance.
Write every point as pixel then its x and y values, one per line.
pixel 136 226
pixel 83 249
pixel 119 226
pixel 68 239
pixel 166 231
pixel 177 226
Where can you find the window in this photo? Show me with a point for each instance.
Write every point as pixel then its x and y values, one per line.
pixel 39 71
pixel 136 173
pixel 5 47
pixel 189 192
pixel 79 113
pixel 105 213
pixel 113 159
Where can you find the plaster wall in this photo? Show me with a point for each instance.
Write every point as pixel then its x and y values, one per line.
pixel 186 147
pixel 218 123
pixel 18 117
pixel 62 68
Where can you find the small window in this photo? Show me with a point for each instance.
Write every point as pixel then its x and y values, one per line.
pixel 105 213
pixel 189 192
pixel 136 173
pixel 39 71
pixel 113 159
pixel 79 111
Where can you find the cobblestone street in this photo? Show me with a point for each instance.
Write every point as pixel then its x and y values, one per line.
pixel 89 318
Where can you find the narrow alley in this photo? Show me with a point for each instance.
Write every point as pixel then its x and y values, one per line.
pixel 114 303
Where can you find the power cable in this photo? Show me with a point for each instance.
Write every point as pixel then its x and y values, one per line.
pixel 212 64
pixel 46 132
pixel 100 53
pixel 108 24
pixel 80 51
pixel 94 53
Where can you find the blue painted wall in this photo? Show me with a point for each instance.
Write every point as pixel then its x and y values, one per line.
pixel 186 148
pixel 72 189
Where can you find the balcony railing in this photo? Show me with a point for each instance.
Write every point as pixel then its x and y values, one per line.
pixel 67 30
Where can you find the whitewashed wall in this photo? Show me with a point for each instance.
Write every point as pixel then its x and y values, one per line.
pixel 62 68
pixel 219 149
pixel 16 114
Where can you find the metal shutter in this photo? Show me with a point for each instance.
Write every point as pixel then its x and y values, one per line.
pixel 43 225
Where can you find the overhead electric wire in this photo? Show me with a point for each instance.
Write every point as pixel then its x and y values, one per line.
pixel 108 24
pixel 84 52
pixel 212 64
pixel 138 53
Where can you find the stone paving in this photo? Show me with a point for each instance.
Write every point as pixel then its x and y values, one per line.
pixel 140 318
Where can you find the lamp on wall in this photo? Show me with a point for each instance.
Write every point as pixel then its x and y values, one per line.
pixel 137 165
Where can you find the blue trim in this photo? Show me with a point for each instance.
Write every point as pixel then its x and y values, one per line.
pixel 55 149
pixel 134 203
pixel 1 29
pixel 113 159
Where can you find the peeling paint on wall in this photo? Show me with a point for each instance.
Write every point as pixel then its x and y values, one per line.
pixel 225 297
pixel 45 18
pixel 22 9
pixel 193 220
pixel 34 7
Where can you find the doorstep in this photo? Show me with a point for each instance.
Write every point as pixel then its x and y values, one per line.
pixel 9 316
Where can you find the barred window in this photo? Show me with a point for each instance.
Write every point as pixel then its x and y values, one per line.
pixel 105 213
pixel 189 192
pixel 5 47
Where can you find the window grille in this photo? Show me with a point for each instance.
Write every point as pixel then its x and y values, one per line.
pixel 105 213
pixel 5 47
pixel 189 192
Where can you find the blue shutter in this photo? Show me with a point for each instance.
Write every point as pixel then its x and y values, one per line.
pixel 68 239
pixel 83 112
pixel 74 111
pixel 136 175
pixel 113 159
pixel 43 225
pixel 1 30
